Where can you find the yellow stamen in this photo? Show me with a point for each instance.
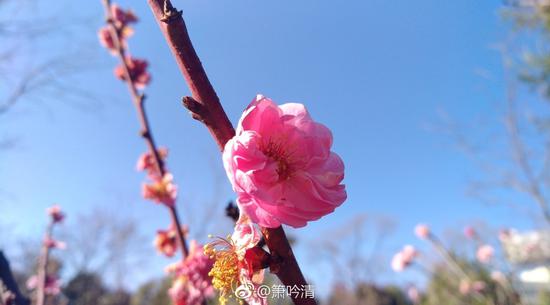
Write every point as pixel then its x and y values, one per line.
pixel 225 272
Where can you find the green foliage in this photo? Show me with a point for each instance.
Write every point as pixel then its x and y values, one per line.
pixel 88 288
pixel 543 298
pixel 153 293
pixel 444 287
pixel 533 21
pixel 85 288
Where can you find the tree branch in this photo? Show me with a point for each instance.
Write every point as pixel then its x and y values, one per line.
pixel 205 107
pixel 139 101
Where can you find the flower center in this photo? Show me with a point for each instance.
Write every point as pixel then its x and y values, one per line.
pixel 225 271
pixel 275 151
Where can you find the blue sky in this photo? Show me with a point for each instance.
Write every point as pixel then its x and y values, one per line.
pixel 376 72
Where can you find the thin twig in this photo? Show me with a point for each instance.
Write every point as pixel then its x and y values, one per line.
pixel 43 266
pixel 138 100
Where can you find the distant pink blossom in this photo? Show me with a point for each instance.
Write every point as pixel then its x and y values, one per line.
pixel 55 213
pixel 161 191
pixel 485 253
pixel 166 241
pixel 51 287
pixel 422 231
pixel 499 277
pixel 138 72
pixel 52 243
pixel 470 232
pixel 7 296
pixel 413 294
pixel 192 284
pixel 107 41
pixel 146 162
pixel 404 258
pixel 281 165
pixel 466 287
pixel 121 17
pixel 105 38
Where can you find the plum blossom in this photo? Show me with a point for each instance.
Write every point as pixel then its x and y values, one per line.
pixel 467 287
pixel 51 287
pixel 281 165
pixel 499 277
pixel 146 162
pixel 161 191
pixel 485 253
pixel 233 264
pixel 166 241
pixel 470 232
pixel 52 243
pixel 192 284
pixel 413 294
pixel 404 258
pixel 122 18
pixel 6 296
pixel 55 213
pixel 107 41
pixel 422 231
pixel 138 72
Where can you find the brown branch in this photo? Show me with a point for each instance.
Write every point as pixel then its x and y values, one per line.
pixel 42 273
pixel 205 106
pixel 7 279
pixel 521 157
pixel 138 100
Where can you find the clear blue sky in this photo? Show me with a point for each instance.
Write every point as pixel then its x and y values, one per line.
pixel 374 71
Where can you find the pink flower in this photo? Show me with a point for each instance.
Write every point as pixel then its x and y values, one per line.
pixel 398 263
pixel 146 162
pixel 161 191
pixel 51 287
pixel 7 296
pixel 479 286
pixel 55 213
pixel 52 243
pixel 422 231
pixel 404 258
pixel 470 232
pixel 167 242
pixel 499 277
pixel 138 72
pixel 413 294
pixel 281 166
pixel 106 40
pixel 236 263
pixel 485 253
pixel 122 18
pixel 466 287
pixel 193 284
